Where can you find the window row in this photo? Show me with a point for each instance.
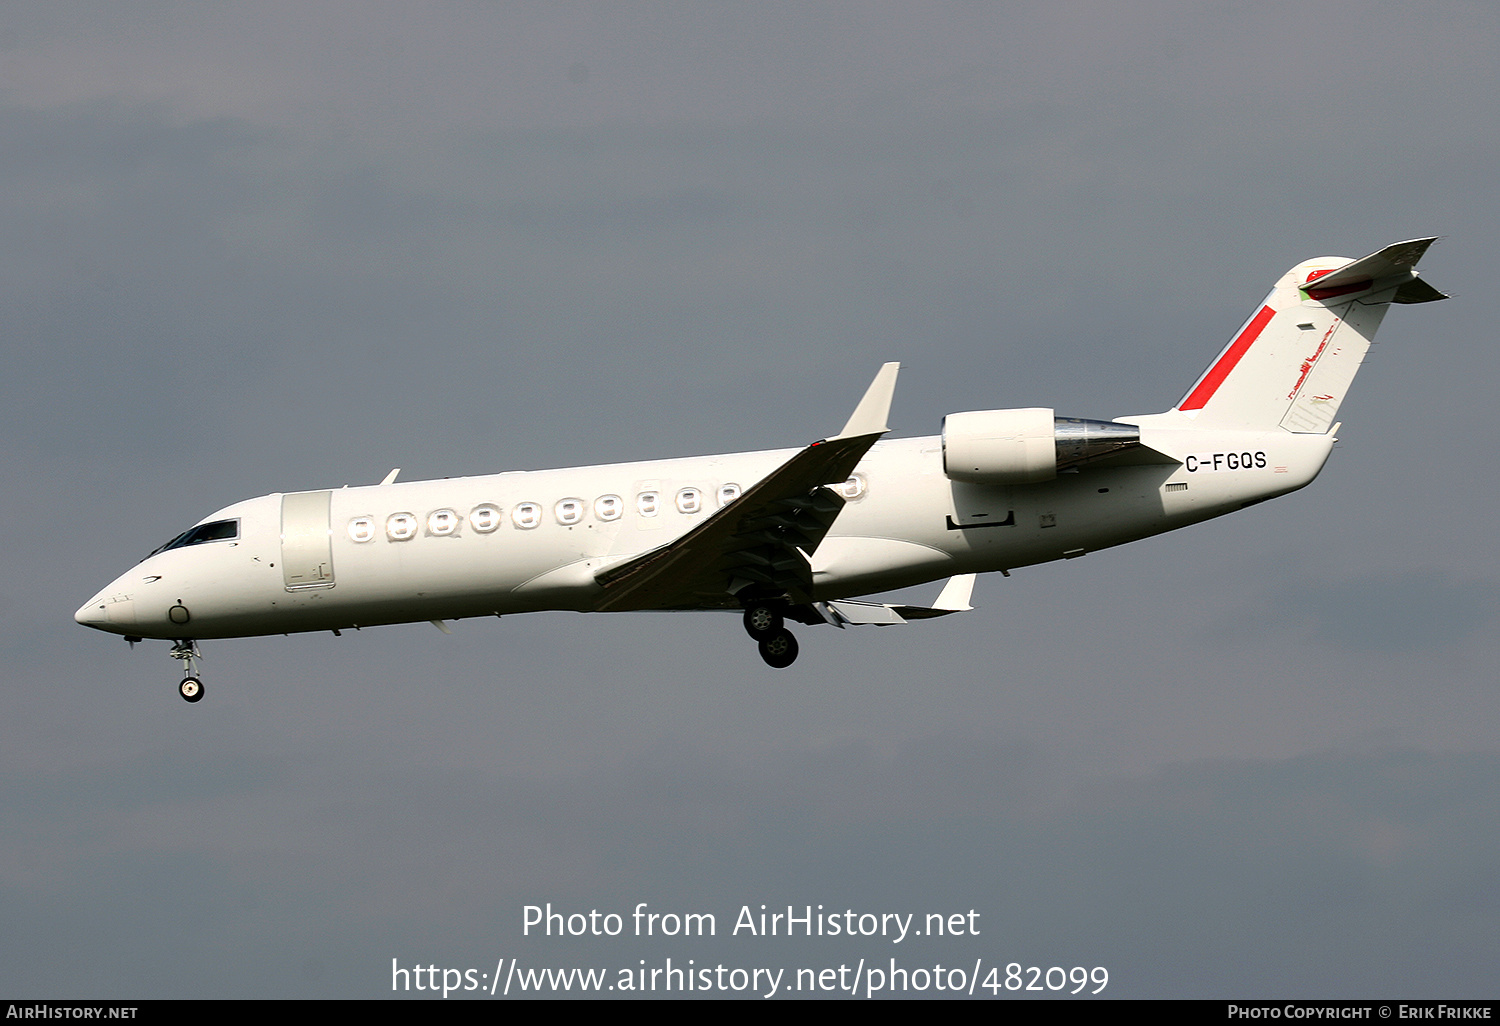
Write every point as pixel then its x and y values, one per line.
pixel 487 518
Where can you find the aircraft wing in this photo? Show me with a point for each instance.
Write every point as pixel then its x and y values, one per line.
pixel 761 541
pixel 954 598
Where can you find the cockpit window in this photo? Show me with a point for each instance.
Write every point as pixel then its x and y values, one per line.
pixel 219 530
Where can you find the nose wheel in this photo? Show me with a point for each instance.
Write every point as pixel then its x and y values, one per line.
pixel 191 688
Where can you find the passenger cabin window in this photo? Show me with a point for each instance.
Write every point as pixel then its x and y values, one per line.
pixel 401 526
pixel 853 488
pixel 689 500
pixel 484 519
pixel 362 529
pixel 609 507
pixel 219 530
pixel 442 523
pixel 569 511
pixel 527 515
pixel 647 503
pixel 728 493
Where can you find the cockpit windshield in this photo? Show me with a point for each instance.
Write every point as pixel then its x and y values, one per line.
pixel 219 530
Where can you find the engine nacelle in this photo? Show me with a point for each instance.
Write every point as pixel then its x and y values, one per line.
pixel 1026 446
pixel 1000 446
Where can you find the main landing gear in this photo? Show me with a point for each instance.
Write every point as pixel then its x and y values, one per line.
pixel 766 623
pixel 191 688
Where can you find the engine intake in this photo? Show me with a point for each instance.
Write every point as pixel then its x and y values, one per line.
pixel 1027 445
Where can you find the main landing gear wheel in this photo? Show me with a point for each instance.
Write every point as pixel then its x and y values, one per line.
pixel 762 619
pixel 190 689
pixel 779 648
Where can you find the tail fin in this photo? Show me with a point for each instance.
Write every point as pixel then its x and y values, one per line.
pixel 1292 362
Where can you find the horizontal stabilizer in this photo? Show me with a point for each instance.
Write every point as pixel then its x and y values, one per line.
pixel 1417 291
pixel 1396 261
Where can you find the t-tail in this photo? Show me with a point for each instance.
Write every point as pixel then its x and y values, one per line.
pixel 1292 362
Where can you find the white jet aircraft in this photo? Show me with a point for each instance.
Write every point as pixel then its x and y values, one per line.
pixel 784 535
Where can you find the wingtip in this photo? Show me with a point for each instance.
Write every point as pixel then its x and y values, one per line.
pixel 956 594
pixel 870 416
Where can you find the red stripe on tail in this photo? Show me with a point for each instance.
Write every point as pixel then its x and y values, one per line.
pixel 1220 370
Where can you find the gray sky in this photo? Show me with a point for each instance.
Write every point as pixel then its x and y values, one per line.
pixel 256 248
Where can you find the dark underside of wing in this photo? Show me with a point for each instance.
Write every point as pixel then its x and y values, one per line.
pixel 757 546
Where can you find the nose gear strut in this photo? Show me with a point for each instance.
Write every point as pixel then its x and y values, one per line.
pixel 191 688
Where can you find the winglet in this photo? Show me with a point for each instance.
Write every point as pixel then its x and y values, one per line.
pixel 956 594
pixel 870 415
pixel 391 477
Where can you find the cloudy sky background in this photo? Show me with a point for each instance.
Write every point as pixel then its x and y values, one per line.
pixel 267 247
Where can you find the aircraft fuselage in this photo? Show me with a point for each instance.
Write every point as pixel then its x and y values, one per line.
pixel 533 540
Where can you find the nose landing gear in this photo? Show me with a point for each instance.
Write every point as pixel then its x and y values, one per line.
pixel 191 688
pixel 766 623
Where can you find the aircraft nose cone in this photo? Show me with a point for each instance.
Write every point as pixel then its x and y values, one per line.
pixel 91 614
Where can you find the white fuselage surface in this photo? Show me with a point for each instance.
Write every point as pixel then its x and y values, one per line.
pixel 415 551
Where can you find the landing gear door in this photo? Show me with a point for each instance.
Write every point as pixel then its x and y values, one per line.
pixel 306 545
